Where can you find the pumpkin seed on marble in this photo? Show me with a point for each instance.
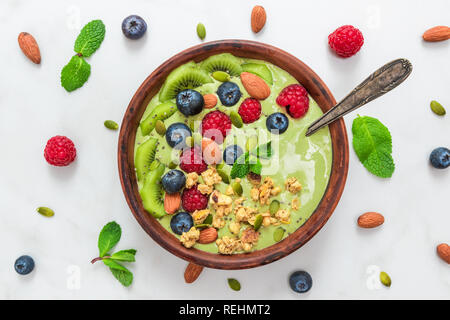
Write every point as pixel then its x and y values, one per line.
pixel 221 76
pixel 274 206
pixel 112 125
pixel 236 119
pixel 258 221
pixel 234 284
pixel 201 30
pixel 224 176
pixel 237 188
pixel 46 212
pixel 437 108
pixel 160 127
pixel 278 234
pixel 385 279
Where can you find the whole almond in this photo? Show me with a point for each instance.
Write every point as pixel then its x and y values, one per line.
pixel 439 33
pixel 443 250
pixel 208 235
pixel 258 18
pixel 29 47
pixel 192 272
pixel 256 87
pixel 370 220
pixel 172 202
pixel 210 100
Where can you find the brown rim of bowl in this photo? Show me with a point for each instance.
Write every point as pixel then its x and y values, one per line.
pixel 316 88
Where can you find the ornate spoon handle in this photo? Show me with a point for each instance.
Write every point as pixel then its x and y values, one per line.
pixel 378 83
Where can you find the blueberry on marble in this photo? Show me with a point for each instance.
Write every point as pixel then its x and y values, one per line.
pixel 277 121
pixel 176 135
pixel 181 222
pixel 300 281
pixel 134 27
pixel 24 265
pixel 440 158
pixel 229 93
pixel 190 102
pixel 173 181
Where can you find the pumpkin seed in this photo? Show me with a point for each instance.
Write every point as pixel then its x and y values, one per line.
pixel 237 188
pixel 224 176
pixel 234 284
pixel 251 143
pixel 202 225
pixel 46 212
pixel 208 219
pixel 190 141
pixel 191 125
pixel 172 165
pixel 220 165
pixel 437 108
pixel 160 127
pixel 274 206
pixel 111 125
pixel 278 234
pixel 236 119
pixel 385 279
pixel 221 76
pixel 258 221
pixel 201 30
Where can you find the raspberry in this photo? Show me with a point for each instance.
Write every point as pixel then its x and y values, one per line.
pixel 250 110
pixel 60 151
pixel 346 41
pixel 215 126
pixel 191 160
pixel 192 200
pixel 295 98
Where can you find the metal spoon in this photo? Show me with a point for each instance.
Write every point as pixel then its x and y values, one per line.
pixel 378 83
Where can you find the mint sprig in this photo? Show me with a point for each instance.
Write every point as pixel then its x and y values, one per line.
pixel 77 71
pixel 372 143
pixel 249 161
pixel 107 240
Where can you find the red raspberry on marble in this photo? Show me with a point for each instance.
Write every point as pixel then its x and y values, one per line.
pixel 191 160
pixel 295 98
pixel 250 110
pixel 346 41
pixel 192 199
pixel 60 151
pixel 215 126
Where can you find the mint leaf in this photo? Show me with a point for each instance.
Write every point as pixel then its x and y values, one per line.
pixel 121 273
pixel 75 73
pixel 124 255
pixel 90 38
pixel 263 151
pixel 108 238
pixel 256 167
pixel 372 143
pixel 240 167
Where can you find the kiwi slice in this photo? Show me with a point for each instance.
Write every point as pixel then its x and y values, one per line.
pixel 187 76
pixel 160 112
pixel 223 62
pixel 152 192
pixel 260 70
pixel 145 154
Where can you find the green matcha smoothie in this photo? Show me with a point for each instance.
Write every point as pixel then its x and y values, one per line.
pixel 308 159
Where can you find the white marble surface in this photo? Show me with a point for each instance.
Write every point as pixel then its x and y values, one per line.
pixel 341 258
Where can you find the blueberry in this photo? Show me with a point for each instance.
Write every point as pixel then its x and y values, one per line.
pixel 300 281
pixel 277 121
pixel 133 27
pixel 231 153
pixel 176 135
pixel 173 181
pixel 440 158
pixel 229 93
pixel 190 102
pixel 181 222
pixel 24 265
